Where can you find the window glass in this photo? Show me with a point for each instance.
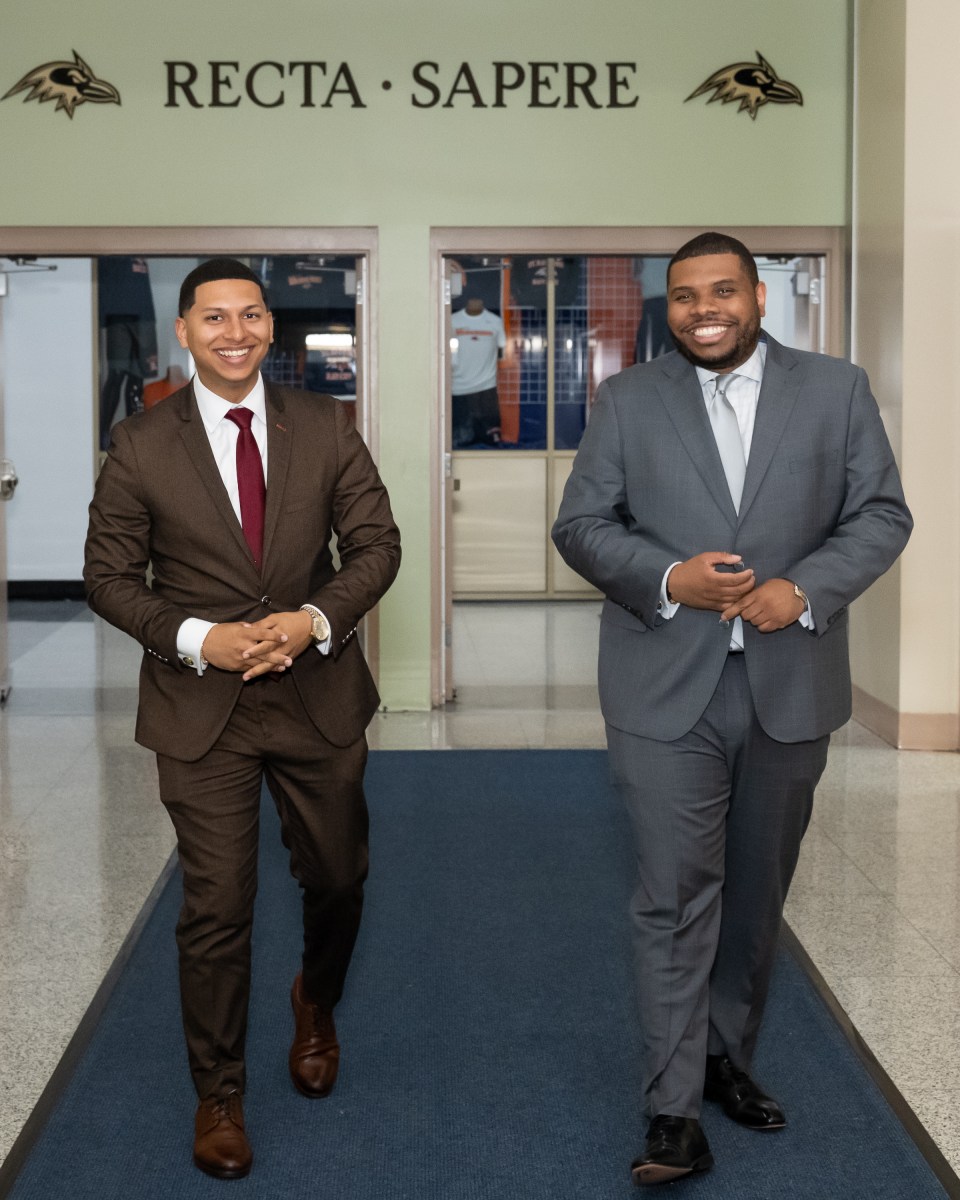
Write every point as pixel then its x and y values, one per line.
pixel 313 299
pixel 314 303
pixel 483 400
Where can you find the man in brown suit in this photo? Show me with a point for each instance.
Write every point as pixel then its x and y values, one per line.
pixel 251 669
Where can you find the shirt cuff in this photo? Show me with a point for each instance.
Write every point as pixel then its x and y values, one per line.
pixel 190 637
pixel 324 646
pixel 666 607
pixel 806 618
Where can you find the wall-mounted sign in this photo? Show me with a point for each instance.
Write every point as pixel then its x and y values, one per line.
pixel 308 83
pixel 753 84
pixel 69 83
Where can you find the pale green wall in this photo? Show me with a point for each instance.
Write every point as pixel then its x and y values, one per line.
pixel 405 169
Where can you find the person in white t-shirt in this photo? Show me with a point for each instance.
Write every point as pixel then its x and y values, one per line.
pixel 479 341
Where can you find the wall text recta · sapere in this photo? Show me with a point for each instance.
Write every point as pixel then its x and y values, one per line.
pixel 317 84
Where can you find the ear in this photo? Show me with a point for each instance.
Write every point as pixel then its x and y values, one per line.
pixel 270 317
pixel 180 328
pixel 762 298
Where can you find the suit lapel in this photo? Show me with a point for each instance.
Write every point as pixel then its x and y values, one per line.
pixel 197 445
pixel 682 397
pixel 782 377
pixel 279 441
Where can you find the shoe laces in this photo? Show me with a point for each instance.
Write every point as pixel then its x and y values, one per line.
pixel 321 1021
pixel 228 1106
pixel 661 1131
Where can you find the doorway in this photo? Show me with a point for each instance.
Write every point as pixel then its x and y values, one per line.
pixel 114 293
pixel 564 316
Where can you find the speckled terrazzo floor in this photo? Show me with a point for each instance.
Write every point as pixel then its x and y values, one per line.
pixel 876 901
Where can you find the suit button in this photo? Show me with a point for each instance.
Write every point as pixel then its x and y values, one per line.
pixel 265 601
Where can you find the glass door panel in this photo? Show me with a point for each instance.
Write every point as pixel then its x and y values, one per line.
pixel 795 286
pixel 482 360
pixel 498 392
pixel 596 336
pixel 314 300
pixel 140 361
pixel 49 317
pixel 569 322
pixel 314 304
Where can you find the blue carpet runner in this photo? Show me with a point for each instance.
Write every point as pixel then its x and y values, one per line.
pixel 489 1033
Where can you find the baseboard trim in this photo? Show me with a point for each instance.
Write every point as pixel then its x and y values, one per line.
pixel 45 589
pixel 906 731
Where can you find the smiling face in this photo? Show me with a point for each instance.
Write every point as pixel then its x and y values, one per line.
pixel 228 330
pixel 714 311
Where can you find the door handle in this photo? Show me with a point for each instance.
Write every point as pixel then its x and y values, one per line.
pixel 8 479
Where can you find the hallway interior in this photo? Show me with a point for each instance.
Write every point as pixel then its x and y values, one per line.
pixel 875 903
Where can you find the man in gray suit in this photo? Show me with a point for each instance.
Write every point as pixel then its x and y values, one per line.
pixel 730 500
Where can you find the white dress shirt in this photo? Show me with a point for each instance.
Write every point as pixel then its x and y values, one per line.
pixel 743 392
pixel 223 435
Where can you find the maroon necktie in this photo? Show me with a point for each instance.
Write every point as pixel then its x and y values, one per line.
pixel 253 490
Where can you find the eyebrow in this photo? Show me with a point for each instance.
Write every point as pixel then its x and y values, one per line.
pixel 685 287
pixel 210 308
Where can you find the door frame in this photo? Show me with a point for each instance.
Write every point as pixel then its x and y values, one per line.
pixel 827 240
pixel 203 241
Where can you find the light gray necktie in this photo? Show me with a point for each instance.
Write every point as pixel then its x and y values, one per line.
pixel 726 430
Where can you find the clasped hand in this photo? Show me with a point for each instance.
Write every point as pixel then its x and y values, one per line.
pixel 699 584
pixel 256 648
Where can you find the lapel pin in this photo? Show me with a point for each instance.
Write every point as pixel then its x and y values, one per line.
pixel 282 428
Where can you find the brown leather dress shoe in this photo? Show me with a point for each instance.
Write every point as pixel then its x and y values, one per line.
pixel 315 1053
pixel 220 1146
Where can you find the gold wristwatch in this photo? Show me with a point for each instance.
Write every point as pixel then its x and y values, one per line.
pixel 320 630
pixel 800 593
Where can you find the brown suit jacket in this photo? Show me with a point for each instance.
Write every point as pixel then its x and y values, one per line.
pixel 160 501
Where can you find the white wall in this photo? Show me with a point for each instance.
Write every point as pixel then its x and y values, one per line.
pixel 48 332
pixel 906 240
pixel 166 275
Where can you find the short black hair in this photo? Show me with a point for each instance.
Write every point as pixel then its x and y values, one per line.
pixel 212 270
pixel 716 243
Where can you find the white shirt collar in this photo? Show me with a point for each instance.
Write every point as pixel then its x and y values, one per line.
pixel 751 369
pixel 213 408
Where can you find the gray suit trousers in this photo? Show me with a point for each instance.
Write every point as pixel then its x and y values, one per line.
pixel 718 816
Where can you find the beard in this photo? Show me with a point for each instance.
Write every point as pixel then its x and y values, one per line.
pixel 748 335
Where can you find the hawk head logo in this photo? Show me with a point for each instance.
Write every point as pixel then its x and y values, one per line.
pixel 69 83
pixel 753 84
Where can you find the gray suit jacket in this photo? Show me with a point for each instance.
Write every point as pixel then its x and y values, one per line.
pixel 822 505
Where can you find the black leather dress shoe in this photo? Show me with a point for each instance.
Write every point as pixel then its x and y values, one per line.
pixel 742 1100
pixel 675 1147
